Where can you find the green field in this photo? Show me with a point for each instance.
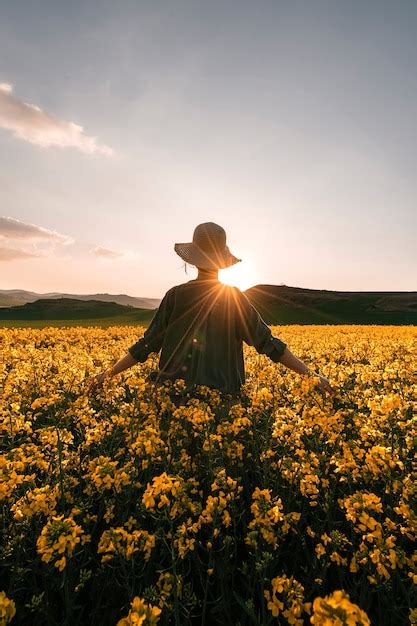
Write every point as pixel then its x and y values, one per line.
pixel 71 312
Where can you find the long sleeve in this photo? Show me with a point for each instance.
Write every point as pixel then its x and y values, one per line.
pixel 154 335
pixel 255 332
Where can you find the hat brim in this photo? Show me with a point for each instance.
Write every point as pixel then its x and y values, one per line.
pixel 192 254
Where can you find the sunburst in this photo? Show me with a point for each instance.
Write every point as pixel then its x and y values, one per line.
pixel 241 275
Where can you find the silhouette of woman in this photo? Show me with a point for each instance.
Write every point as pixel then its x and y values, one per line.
pixel 200 326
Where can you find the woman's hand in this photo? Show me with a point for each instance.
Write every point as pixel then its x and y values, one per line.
pixel 297 365
pixel 97 381
pixel 325 386
pixel 123 364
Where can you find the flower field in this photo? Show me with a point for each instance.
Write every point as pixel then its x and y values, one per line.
pixel 284 508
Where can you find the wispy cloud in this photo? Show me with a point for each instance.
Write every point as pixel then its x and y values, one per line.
pixel 30 123
pixel 12 254
pixel 11 228
pixel 106 253
pixel 30 236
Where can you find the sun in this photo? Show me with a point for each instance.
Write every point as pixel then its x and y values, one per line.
pixel 241 275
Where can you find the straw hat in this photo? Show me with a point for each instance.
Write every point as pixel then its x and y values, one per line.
pixel 208 248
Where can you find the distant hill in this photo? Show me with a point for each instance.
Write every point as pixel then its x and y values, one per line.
pixel 78 311
pixel 295 305
pixel 277 305
pixel 15 297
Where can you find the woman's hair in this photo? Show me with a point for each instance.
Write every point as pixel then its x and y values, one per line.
pixel 185 266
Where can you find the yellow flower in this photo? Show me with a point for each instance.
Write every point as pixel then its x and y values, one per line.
pixel 121 542
pixel 141 614
pixel 290 601
pixel 338 610
pixel 7 609
pixel 132 459
pixel 58 538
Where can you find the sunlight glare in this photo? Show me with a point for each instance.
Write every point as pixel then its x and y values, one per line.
pixel 241 275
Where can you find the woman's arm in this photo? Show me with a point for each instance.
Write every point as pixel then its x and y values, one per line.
pixel 122 364
pixel 294 363
pixel 255 332
pixel 139 351
pixel 297 365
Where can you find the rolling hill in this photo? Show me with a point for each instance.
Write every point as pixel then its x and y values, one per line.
pixel 295 305
pixel 70 312
pixel 276 304
pixel 15 297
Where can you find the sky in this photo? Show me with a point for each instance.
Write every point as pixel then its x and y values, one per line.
pixel 125 124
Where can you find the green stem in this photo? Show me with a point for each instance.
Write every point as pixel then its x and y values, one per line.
pixel 203 616
pixel 61 476
pixel 174 569
pixel 67 603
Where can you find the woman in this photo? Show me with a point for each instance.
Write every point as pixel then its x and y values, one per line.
pixel 200 326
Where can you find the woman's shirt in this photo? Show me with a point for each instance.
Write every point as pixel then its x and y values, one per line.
pixel 200 327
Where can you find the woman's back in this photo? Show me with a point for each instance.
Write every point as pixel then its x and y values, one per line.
pixel 202 343
pixel 200 327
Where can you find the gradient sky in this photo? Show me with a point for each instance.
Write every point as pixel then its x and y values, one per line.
pixel 292 124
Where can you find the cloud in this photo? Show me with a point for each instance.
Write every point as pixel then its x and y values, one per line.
pixel 30 123
pixel 11 254
pixel 106 253
pixel 11 228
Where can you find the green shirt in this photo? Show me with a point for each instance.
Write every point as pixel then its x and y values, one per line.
pixel 200 327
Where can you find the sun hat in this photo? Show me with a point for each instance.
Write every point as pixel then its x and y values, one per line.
pixel 208 248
